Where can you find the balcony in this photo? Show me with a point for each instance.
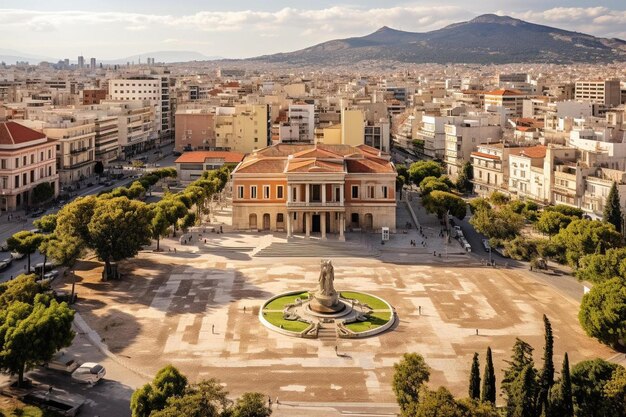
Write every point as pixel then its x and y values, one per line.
pixel 313 204
pixel 79 150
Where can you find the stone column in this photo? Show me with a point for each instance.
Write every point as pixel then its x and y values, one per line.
pixel 342 226
pixel 307 190
pixel 289 225
pixel 323 224
pixel 323 194
pixel 289 191
pixel 308 223
pixel 341 196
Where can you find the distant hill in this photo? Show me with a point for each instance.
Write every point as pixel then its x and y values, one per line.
pixel 11 56
pixel 164 56
pixel 486 39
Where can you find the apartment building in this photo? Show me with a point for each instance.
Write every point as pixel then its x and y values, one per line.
pixel 250 128
pixel 107 147
pixel 191 165
pixel 195 129
pixel 606 92
pixel 511 100
pixel 490 163
pixel 27 159
pixel 300 125
pixel 94 96
pixel 153 88
pixel 313 189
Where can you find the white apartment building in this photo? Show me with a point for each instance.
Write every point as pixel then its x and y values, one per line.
pixel 153 89
pixel 300 126
pixel 606 92
pixel 511 100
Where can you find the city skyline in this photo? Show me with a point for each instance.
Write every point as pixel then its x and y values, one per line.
pixel 222 30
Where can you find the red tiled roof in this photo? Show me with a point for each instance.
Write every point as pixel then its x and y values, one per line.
pixel 198 157
pixel 368 166
pixel 12 133
pixel 538 151
pixel 262 166
pixel 484 155
pixel 314 165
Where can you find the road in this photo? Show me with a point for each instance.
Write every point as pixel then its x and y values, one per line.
pixel 9 227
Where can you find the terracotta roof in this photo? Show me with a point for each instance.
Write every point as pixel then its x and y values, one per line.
pixel 316 153
pixel 12 133
pixel 504 92
pixel 485 155
pixel 538 151
pixel 263 166
pixel 314 165
pixel 368 166
pixel 198 157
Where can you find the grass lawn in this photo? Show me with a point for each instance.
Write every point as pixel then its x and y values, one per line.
pixel 280 303
pixel 276 318
pixel 373 321
pixel 373 302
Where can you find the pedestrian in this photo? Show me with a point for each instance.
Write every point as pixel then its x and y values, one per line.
pixel 419 309
pixel 244 309
pixel 213 328
pixel 476 332
pixel 269 401
pixel 277 402
pixel 174 250
pixel 50 389
pixel 221 229
pixel 204 240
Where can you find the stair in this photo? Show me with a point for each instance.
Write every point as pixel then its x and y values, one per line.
pixel 316 249
pixel 327 333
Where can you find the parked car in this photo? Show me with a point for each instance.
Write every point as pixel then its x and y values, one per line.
pixel 36 269
pixel 5 263
pixel 486 245
pixel 37 213
pixel 89 373
pixel 48 277
pixel 4 246
pixel 62 363
pixel 17 255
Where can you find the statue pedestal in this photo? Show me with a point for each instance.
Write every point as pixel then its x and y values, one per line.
pixel 326 303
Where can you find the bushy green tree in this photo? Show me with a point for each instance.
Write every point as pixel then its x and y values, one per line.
pixel 589 379
pixel 73 219
pixel 585 237
pixel 422 169
pixel 612 209
pixel 409 376
pixel 474 381
pixel 31 334
pixel 522 391
pixel 599 268
pixel 521 358
pixel 615 392
pixel 22 289
pixel 566 210
pixel 430 184
pixel 479 203
pixel 488 393
pixel 25 242
pixel 159 224
pixel 522 248
pixel 42 193
pixel 168 383
pixel 251 404
pixel 118 229
pixel 464 180
pixel 499 199
pixel 438 403
pixel 560 400
pixel 47 223
pixel 551 222
pixel 441 202
pixel 498 224
pixel 603 312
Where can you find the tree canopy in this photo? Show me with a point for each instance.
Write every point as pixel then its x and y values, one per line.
pixel 409 376
pixel 585 237
pixel 441 202
pixel 25 242
pixel 603 312
pixel 612 209
pixel 422 169
pixel 589 379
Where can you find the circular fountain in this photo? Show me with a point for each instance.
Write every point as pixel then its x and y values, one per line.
pixel 324 310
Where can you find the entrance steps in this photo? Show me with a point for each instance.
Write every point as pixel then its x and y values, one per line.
pixel 296 248
pixel 327 333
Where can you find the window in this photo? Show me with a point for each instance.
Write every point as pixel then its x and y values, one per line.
pixel 240 191
pixel 253 191
pixel 5 182
pixel 3 163
pixel 17 181
pixel 24 160
pixel 355 191
pixel 17 162
pixel 385 192
pixel 266 191
pixel 370 191
pixel 280 218
pixel 279 191
pixel 49 170
pixel 41 156
pixel 32 158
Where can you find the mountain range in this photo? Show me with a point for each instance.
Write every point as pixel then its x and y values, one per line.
pixel 11 56
pixel 485 39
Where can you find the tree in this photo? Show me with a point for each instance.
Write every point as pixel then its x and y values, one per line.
pixel 430 184
pixel 603 312
pixel 612 209
pixel 588 381
pixel 498 224
pixel 522 249
pixel 441 202
pixel 98 168
pixel 599 268
pixel 167 383
pixel 47 223
pixel 186 222
pixel 409 376
pixel 251 404
pixel 159 224
pixel 464 180
pixel 489 380
pixel 438 403
pixel 551 222
pixel 615 392
pixel 499 199
pixel 474 382
pixel 566 210
pixel 474 408
pixel 561 403
pixel 205 399
pixel 32 334
pixel 585 237
pixel 521 400
pixel 73 219
pixel 118 229
pixel 422 169
pixel 479 203
pixel 546 377
pixel 23 289
pixel 522 357
pixel 42 193
pixel 25 242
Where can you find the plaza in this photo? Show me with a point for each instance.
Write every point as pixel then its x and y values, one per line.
pixel 197 308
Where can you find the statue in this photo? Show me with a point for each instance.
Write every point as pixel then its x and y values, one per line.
pixel 325 299
pixel 326 279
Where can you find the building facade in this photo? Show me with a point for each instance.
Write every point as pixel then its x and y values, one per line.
pixel 314 189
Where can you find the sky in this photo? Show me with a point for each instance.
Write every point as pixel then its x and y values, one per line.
pixel 114 29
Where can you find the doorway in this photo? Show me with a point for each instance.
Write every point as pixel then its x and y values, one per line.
pixel 266 221
pixel 315 223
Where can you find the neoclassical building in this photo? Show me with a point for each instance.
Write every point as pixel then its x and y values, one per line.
pixel 314 189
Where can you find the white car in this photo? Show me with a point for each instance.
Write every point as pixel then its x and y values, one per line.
pixel 17 255
pixel 48 277
pixel 89 373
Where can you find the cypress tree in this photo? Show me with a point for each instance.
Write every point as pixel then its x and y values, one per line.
pixel 546 379
pixel 612 210
pixel 489 380
pixel 521 402
pixel 474 382
pixel 566 389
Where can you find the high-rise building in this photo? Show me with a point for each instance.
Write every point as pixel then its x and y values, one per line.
pixel 92 63
pixel 81 61
pixel 605 92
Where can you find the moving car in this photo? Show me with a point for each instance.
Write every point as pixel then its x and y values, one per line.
pixel 5 263
pixel 486 245
pixel 48 277
pixel 89 373
pixel 17 255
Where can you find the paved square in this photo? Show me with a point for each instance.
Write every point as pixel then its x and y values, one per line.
pixel 188 309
